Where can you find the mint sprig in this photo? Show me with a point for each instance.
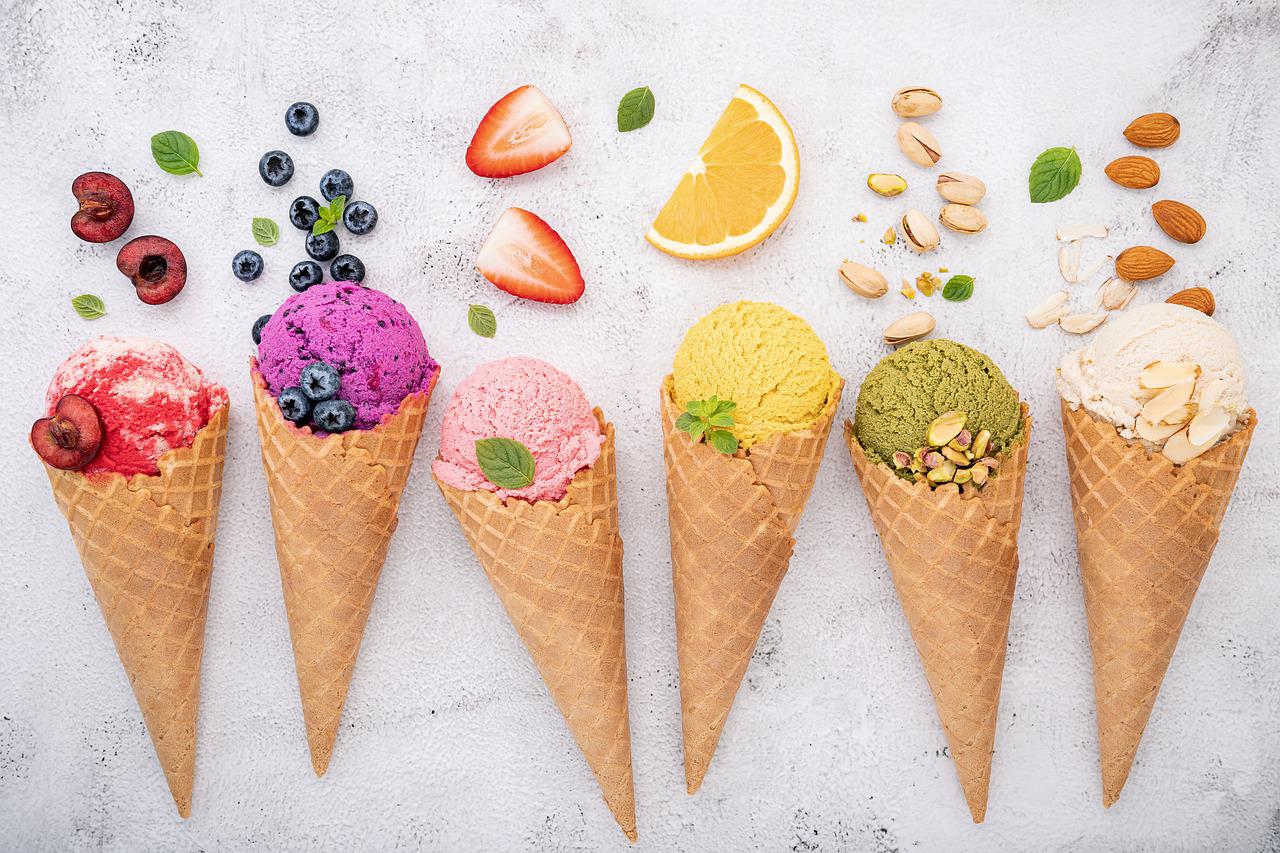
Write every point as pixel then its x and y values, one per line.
pixel 1054 175
pixel 505 462
pixel 176 153
pixel 710 419
pixel 329 216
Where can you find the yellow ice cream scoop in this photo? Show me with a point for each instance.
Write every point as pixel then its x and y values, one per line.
pixel 762 357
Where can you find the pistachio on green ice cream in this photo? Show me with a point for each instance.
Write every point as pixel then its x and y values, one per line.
pixel 909 388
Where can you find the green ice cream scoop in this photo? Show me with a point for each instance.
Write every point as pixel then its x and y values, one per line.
pixel 908 389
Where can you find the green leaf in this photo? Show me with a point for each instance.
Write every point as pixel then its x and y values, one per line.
pixel 697 408
pixel 176 153
pixel 506 463
pixel 330 216
pixel 723 441
pixel 958 288
pixel 265 231
pixel 89 306
pixel 684 422
pixel 635 110
pixel 696 430
pixel 322 226
pixel 482 321
pixel 1054 174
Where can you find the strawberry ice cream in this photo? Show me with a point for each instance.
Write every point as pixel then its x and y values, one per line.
pixel 529 401
pixel 370 339
pixel 150 398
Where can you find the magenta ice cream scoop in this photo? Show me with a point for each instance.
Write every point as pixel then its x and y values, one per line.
pixel 369 338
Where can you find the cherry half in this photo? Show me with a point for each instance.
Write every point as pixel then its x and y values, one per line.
pixel 71 438
pixel 156 267
pixel 106 207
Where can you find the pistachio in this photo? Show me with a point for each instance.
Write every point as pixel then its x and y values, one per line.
pixel 981 442
pixel 988 462
pixel 962 218
pixel 917 459
pixel 1116 293
pixel 945 427
pixel 943 473
pixel 886 184
pixel 963 475
pixel 920 146
pixel 978 474
pixel 960 188
pixel 932 459
pixel 914 101
pixel 909 328
pixel 1050 311
pixel 919 231
pixel 890 236
pixel 955 456
pixel 927 283
pixel 901 460
pixel 963 441
pixel 863 280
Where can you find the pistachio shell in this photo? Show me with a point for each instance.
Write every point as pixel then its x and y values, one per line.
pixel 914 101
pixel 960 188
pixel 962 218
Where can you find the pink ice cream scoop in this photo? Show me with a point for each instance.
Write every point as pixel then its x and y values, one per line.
pixel 151 399
pixel 369 338
pixel 526 400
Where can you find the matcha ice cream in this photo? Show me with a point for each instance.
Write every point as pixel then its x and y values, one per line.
pixel 910 388
pixel 762 357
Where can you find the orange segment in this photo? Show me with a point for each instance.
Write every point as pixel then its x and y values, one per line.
pixel 739 189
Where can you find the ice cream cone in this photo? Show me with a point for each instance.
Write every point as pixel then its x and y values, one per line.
pixel 146 543
pixel 334 506
pixel 954 560
pixel 557 569
pixel 732 519
pixel 1145 530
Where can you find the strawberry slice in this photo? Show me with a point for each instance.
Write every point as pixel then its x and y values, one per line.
pixel 522 132
pixel 524 256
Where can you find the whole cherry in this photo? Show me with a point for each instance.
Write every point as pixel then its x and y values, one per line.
pixel 72 436
pixel 156 267
pixel 106 207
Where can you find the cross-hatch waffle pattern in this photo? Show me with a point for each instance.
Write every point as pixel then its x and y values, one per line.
pixel 731 520
pixel 1145 530
pixel 147 547
pixel 334 505
pixel 557 569
pixel 955 564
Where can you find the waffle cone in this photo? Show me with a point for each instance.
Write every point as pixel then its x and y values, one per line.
pixel 146 543
pixel 334 505
pixel 954 560
pixel 1145 530
pixel 557 569
pixel 732 519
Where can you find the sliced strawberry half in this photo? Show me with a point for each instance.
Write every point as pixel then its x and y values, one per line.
pixel 522 132
pixel 526 257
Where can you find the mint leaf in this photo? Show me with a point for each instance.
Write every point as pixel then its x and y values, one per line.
pixel 176 153
pixel 723 441
pixel 265 231
pixel 696 430
pixel 482 321
pixel 89 306
pixel 505 462
pixel 1054 174
pixel 330 216
pixel 322 226
pixel 711 419
pixel 684 422
pixel 958 288
pixel 635 110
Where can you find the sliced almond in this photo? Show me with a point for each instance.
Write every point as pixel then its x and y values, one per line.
pixel 1050 311
pixel 1207 426
pixel 1155 433
pixel 1067 233
pixel 1168 401
pixel 1093 270
pixel 1181 415
pixel 1115 293
pixel 1081 324
pixel 1179 449
pixel 1166 374
pixel 1211 392
pixel 1069 261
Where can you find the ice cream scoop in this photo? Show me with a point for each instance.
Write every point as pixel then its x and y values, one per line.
pixel 763 358
pixel 531 402
pixel 910 388
pixel 149 397
pixel 1106 377
pixel 370 339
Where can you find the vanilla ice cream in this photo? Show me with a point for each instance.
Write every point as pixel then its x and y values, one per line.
pixel 1103 376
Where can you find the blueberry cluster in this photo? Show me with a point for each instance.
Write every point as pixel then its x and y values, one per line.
pixel 314 400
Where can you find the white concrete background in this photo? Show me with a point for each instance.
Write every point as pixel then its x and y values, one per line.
pixel 449 739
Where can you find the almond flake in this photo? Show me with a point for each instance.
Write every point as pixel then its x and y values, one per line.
pixel 1179 449
pixel 1207 426
pixel 1165 374
pixel 1155 433
pixel 1080 324
pixel 1067 233
pixel 1168 402
pixel 1050 311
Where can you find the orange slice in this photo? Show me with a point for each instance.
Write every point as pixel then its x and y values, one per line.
pixel 740 187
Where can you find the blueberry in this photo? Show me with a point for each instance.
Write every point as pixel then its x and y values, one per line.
pixel 302 118
pixel 334 183
pixel 257 327
pixel 347 268
pixel 304 275
pixel 294 405
pixel 359 217
pixel 276 168
pixel 247 265
pixel 320 381
pixel 304 212
pixel 322 247
pixel 334 416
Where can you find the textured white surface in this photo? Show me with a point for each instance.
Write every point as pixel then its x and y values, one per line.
pixel 449 740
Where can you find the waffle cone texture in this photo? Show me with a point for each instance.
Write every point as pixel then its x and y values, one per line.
pixel 732 521
pixel 1145 530
pixel 334 505
pixel 556 566
pixel 146 543
pixel 954 560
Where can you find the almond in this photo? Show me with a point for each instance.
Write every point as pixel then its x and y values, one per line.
pixel 1153 130
pixel 1140 263
pixel 1136 173
pixel 1199 298
pixel 1179 221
